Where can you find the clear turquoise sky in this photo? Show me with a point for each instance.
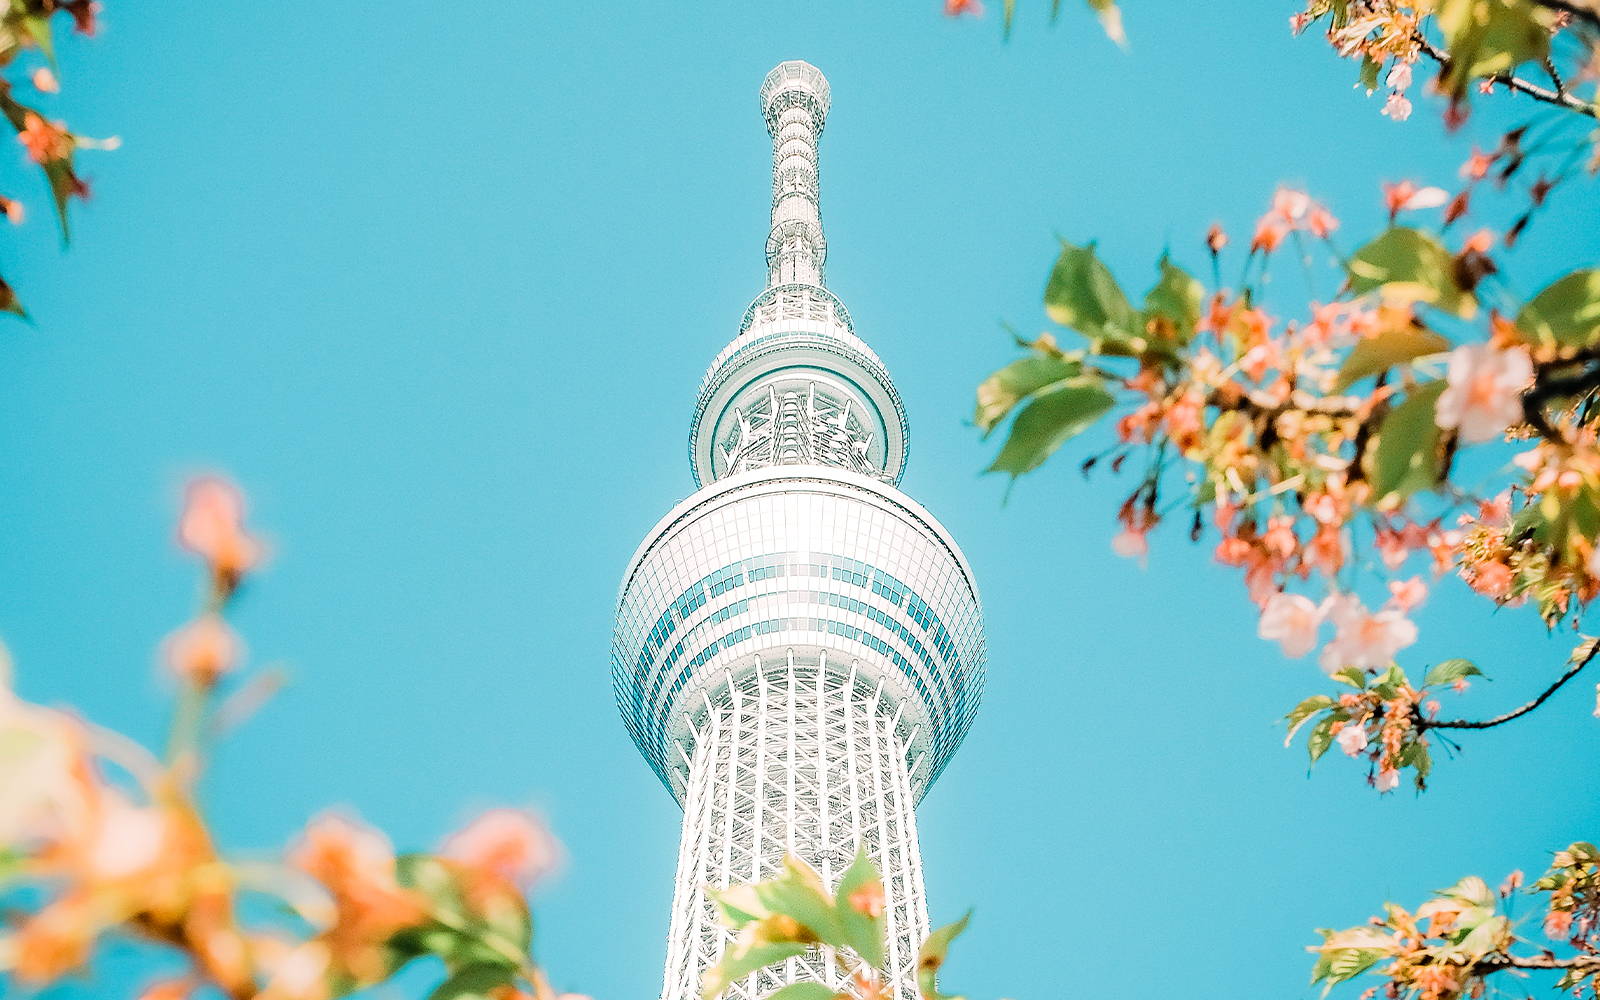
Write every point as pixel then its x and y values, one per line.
pixel 437 284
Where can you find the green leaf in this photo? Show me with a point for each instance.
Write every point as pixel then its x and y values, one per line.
pixel 1409 266
pixel 1407 457
pixel 459 933
pixel 1353 676
pixel 1320 739
pixel 1451 671
pixel 1388 684
pixel 1416 755
pixel 435 880
pixel 736 964
pixel 1305 710
pixel 1567 312
pixel 1322 968
pixel 1489 37
pixel 39 28
pixel 1178 297
pixel 1010 13
pixel 1471 889
pixel 473 982
pixel 1082 294
pixel 797 893
pixel 64 183
pixel 1487 938
pixel 1003 390
pixel 862 932
pixel 1348 963
pixel 803 991
pixel 932 956
pixel 1372 355
pixel 1052 418
pixel 1370 68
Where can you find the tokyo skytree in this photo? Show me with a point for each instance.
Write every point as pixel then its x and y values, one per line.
pixel 799 646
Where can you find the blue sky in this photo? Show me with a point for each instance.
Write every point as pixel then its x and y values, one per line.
pixel 436 286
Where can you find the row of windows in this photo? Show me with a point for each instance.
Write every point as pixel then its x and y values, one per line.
pixel 834 600
pixel 843 569
pixel 780 624
pixel 813 597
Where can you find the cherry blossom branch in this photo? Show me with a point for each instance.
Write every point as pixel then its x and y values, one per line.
pixel 1560 99
pixel 1587 963
pixel 1547 387
pixel 1582 12
pixel 1580 659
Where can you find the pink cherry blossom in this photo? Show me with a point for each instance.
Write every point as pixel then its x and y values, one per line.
pixel 1293 620
pixel 507 843
pixel 202 651
pixel 1365 640
pixel 1484 394
pixel 1130 543
pixel 1397 107
pixel 1406 196
pixel 1399 77
pixel 1352 739
pixel 212 527
pixel 1388 779
pixel 1409 594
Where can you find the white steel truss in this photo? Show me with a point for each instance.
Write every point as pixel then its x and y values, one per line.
pixel 799 426
pixel 801 758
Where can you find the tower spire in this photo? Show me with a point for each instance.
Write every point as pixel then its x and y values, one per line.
pixel 794 99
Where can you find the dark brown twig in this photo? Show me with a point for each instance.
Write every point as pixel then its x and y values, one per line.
pixel 1516 83
pixel 1580 659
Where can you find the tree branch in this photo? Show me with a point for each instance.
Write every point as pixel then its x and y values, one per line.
pixel 1545 961
pixel 1516 83
pixel 1581 656
pixel 1582 11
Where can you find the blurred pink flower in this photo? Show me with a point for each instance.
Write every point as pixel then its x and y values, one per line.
pixel 1484 396
pixel 1364 640
pixel 1293 620
pixel 212 527
pixel 507 843
pixel 1397 107
pixel 1399 77
pixel 1409 594
pixel 1406 196
pixel 1388 780
pixel 1321 222
pixel 202 650
pixel 46 789
pixel 45 82
pixel 129 839
pixel 1130 543
pixel 336 849
pixel 1558 924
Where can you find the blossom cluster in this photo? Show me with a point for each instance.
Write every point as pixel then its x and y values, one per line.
pixel 1303 441
pixel 1448 947
pixel 26 28
pixel 134 858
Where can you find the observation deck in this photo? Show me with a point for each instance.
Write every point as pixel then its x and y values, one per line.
pixel 817 560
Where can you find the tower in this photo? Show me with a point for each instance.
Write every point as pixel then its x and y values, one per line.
pixel 799 646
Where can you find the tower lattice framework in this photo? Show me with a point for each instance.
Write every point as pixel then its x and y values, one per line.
pixel 799 646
